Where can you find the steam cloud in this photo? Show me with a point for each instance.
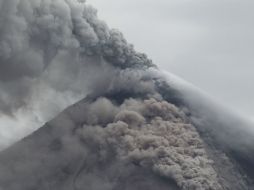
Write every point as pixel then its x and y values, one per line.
pixel 53 53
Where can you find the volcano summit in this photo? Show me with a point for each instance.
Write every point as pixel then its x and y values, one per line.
pixel 136 128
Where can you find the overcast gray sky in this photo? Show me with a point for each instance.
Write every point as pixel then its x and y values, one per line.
pixel 209 43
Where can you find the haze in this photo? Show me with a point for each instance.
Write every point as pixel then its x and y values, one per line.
pixel 208 43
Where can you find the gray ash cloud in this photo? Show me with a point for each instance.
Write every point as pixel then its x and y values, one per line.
pixel 112 141
pixel 135 130
pixel 56 40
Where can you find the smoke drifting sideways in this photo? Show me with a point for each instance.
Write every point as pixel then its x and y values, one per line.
pixel 53 53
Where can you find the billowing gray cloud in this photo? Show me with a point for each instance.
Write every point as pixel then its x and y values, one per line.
pixel 133 122
pixel 38 35
pixel 55 50
pixel 212 37
pixel 150 134
pixel 138 143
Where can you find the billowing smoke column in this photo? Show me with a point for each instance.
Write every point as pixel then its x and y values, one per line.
pixel 53 53
pixel 133 130
pixel 55 41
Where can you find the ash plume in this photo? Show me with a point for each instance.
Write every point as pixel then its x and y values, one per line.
pixel 55 42
pixel 134 130
pixel 52 50
pixel 110 140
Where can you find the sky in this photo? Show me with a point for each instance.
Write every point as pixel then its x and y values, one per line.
pixel 208 43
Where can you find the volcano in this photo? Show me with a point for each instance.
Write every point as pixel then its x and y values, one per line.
pixel 136 128
pixel 124 140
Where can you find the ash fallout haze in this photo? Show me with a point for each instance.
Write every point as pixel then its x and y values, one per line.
pixel 111 118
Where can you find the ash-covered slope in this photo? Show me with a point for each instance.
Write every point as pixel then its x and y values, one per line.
pixel 132 142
